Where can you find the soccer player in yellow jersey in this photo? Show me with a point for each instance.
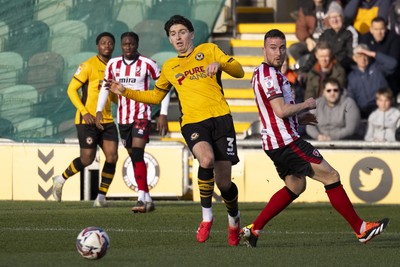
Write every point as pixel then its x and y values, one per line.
pixel 88 78
pixel 206 121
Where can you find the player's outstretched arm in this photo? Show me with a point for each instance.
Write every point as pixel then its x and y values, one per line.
pixel 148 97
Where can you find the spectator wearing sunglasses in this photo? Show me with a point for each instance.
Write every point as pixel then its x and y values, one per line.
pixel 337 114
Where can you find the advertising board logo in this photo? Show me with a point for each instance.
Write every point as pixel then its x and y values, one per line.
pixel 371 179
pixel 153 172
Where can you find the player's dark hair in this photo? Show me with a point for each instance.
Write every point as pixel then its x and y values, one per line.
pixel 101 35
pixel 130 34
pixel 274 33
pixel 178 19
pixel 379 19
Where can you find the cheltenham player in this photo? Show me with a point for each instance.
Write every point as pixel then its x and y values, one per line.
pixel 206 122
pixel 88 78
pixel 134 119
pixel 293 157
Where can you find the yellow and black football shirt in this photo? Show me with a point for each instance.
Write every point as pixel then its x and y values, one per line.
pixel 201 97
pixel 89 78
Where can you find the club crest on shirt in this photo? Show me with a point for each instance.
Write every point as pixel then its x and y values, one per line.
pixel 89 140
pixel 138 69
pixel 268 81
pixel 194 136
pixel 199 56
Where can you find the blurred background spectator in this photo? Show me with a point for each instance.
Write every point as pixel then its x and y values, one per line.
pixel 368 76
pixel 383 122
pixel 380 39
pixel 337 114
pixel 394 17
pixel 360 13
pixel 326 67
pixel 341 38
pixel 310 23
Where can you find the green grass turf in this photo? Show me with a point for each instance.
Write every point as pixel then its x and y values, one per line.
pixel 44 233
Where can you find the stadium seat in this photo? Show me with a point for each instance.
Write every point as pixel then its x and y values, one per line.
pixel 11 66
pixel 207 11
pixel 72 64
pixel 66 44
pixel 44 70
pixel 70 27
pixel 6 128
pixel 51 12
pixel 163 10
pixel 131 12
pixel 4 34
pixel 29 38
pixel 161 57
pixel 36 127
pixel 116 27
pixel 151 35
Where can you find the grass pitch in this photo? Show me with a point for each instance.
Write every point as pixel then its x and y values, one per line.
pixel 44 233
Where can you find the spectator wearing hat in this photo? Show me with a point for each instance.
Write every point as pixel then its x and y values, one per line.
pixel 368 76
pixel 383 122
pixel 341 38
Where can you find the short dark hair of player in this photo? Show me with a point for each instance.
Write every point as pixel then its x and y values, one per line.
pixel 274 33
pixel 130 34
pixel 101 35
pixel 178 19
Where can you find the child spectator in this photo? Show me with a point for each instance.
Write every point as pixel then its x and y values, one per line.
pixel 383 122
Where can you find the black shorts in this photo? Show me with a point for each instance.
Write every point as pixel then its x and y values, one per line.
pixel 139 129
pixel 295 158
pixel 90 136
pixel 218 132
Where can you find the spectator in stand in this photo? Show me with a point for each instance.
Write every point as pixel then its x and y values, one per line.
pixel 310 24
pixel 360 13
pixel 341 38
pixel 394 17
pixel 380 39
pixel 383 122
pixel 368 76
pixel 326 67
pixel 337 114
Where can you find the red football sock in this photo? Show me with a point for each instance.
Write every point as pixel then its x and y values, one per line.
pixel 278 202
pixel 140 172
pixel 341 202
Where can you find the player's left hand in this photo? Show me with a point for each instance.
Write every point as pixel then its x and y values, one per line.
pixel 162 125
pixel 212 69
pixel 308 118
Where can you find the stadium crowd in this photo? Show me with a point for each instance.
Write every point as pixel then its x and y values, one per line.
pixel 356 43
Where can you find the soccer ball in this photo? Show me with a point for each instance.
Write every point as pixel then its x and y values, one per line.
pixel 92 243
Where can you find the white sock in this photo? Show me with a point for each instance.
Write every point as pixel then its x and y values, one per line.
pixel 207 214
pixel 61 179
pixel 147 197
pixel 101 197
pixel 234 221
pixel 141 196
pixel 362 228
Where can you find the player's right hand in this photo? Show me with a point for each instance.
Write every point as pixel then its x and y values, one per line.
pixel 89 119
pixel 310 103
pixel 99 120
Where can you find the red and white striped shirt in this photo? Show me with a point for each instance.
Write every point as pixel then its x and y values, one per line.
pixel 269 83
pixel 135 75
